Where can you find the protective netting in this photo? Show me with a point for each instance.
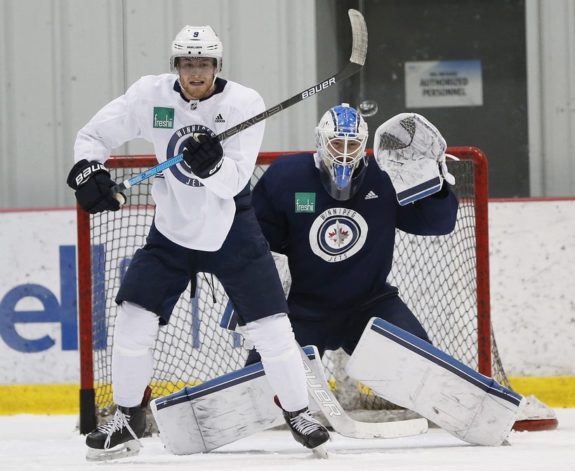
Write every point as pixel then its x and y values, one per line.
pixel 436 277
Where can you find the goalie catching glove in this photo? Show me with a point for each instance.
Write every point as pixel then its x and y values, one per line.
pixel 412 152
pixel 203 153
pixel 93 186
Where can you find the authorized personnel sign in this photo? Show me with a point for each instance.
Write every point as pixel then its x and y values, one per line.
pixel 435 84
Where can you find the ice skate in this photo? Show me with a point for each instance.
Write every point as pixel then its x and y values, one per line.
pixel 307 430
pixel 119 438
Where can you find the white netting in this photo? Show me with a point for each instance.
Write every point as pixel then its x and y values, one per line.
pixel 436 277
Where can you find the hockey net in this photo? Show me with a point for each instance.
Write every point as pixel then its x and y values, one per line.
pixel 444 280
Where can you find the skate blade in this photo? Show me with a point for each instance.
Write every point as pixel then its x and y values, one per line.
pixel 123 450
pixel 320 452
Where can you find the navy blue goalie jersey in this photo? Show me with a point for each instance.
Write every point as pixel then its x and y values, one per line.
pixel 340 252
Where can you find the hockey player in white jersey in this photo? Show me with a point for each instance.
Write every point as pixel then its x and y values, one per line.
pixel 204 222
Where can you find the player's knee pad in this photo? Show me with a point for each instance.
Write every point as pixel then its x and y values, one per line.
pixel 136 329
pixel 272 336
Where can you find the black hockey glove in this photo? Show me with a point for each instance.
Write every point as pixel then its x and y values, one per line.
pixel 203 153
pixel 93 186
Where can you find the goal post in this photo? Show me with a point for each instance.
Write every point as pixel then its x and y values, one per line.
pixel 444 280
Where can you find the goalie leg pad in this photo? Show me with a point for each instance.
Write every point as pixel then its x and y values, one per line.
pixel 220 411
pixel 414 374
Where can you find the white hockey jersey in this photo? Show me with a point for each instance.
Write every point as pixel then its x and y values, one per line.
pixel 192 212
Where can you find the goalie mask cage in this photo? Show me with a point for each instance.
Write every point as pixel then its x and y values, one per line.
pixel 444 280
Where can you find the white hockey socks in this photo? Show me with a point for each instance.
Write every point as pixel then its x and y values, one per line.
pixel 275 342
pixel 135 335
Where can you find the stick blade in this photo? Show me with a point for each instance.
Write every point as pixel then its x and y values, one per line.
pixel 397 429
pixel 359 37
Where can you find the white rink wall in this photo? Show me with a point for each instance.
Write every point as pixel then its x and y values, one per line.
pixel 37 281
pixel 532 298
pixel 532 247
pixel 91 51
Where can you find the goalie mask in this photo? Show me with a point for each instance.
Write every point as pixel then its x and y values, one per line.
pixel 341 137
pixel 197 41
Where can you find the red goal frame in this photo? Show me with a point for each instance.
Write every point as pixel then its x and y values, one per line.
pixel 88 419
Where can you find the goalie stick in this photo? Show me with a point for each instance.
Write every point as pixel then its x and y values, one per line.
pixel 338 418
pixel 329 405
pixel 356 62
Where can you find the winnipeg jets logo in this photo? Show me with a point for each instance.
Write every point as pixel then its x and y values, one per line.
pixel 182 171
pixel 337 234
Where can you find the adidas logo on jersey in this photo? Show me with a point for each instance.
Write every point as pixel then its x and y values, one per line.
pixel 220 118
pixel 371 195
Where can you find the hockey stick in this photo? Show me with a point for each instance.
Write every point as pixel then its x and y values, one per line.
pixel 356 62
pixel 338 418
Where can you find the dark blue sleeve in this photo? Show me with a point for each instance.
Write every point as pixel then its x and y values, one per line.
pixel 434 215
pixel 272 220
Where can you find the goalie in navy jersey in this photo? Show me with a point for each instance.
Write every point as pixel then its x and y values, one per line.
pixel 334 214
pixel 203 222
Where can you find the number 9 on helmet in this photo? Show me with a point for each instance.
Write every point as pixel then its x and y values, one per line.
pixel 197 41
pixel 341 138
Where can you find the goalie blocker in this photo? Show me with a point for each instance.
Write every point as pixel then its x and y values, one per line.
pixel 413 374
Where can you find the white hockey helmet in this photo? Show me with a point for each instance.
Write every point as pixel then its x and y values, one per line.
pixel 197 41
pixel 341 138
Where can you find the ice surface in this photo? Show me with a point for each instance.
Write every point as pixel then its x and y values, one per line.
pixel 47 443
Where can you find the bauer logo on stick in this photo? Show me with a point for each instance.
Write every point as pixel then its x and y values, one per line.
pixel 318 88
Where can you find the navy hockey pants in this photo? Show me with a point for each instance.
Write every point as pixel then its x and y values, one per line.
pixel 343 330
pixel 160 272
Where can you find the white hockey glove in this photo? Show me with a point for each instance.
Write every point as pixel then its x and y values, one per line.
pixel 412 152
